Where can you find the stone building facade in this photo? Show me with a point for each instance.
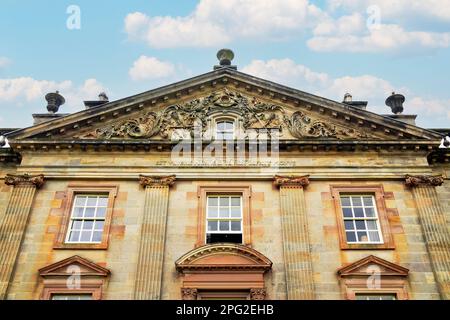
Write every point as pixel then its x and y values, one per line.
pixel 135 199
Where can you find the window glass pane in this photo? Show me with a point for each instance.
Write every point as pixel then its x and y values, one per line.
pixel 235 201
pixel 212 225
pixel 351 237
pixel 85 236
pixel 235 226
pixel 229 126
pixel 368 201
pixel 91 202
pixel 224 201
pixel 220 126
pixel 213 212
pixel 76 224
pixel 347 212
pixel 370 212
pixel 362 237
pixel 99 225
pixel 80 201
pixel 360 225
pixel 89 213
pixel 88 225
pixel 235 212
pixel 74 236
pixel 103 201
pixel 357 201
pixel 372 225
pixel 349 225
pixel 359 212
pixel 224 225
pixel 78 212
pixel 374 236
pixel 227 136
pixel 97 236
pixel 224 212
pixel 345 201
pixel 101 212
pixel 213 201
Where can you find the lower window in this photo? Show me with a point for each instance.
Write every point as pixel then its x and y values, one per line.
pixel 62 296
pixel 376 296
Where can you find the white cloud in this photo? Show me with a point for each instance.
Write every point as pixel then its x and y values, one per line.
pixel 364 87
pixel 391 38
pixel 217 22
pixel 434 9
pixel 26 89
pixel 149 68
pixel 4 62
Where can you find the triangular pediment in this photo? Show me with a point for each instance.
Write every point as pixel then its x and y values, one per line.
pixel 67 267
pixel 256 103
pixel 371 264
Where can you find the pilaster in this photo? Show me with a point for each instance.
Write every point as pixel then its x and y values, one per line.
pixel 152 238
pixel 435 230
pixel 14 222
pixel 296 243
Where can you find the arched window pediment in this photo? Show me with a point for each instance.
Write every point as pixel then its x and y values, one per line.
pixel 223 256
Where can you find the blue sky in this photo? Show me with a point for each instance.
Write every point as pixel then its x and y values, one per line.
pixel 328 47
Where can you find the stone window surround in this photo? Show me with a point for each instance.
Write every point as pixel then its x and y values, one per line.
pixel 378 192
pixel 73 190
pixel 243 190
pixel 94 289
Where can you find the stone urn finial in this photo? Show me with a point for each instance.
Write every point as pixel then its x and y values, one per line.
pixel 225 57
pixel 54 101
pixel 395 101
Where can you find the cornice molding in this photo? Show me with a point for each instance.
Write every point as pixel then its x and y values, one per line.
pixel 25 180
pixel 156 181
pixel 415 181
pixel 291 181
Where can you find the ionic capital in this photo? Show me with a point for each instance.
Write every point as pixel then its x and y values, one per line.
pixel 415 181
pixel 156 181
pixel 291 181
pixel 24 180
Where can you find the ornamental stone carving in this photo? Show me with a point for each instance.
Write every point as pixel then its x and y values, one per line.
pixel 258 294
pixel 25 180
pixel 156 181
pixel 189 293
pixel 291 182
pixel 193 116
pixel 415 181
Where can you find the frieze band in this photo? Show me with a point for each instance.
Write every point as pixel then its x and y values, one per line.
pixel 24 180
pixel 291 181
pixel 415 181
pixel 156 181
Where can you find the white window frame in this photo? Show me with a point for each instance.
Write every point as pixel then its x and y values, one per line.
pixel 227 131
pixel 83 218
pixel 376 218
pixel 241 218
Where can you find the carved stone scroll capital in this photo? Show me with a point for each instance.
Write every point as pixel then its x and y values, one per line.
pixel 188 293
pixel 415 181
pixel 156 181
pixel 24 180
pixel 258 294
pixel 291 181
